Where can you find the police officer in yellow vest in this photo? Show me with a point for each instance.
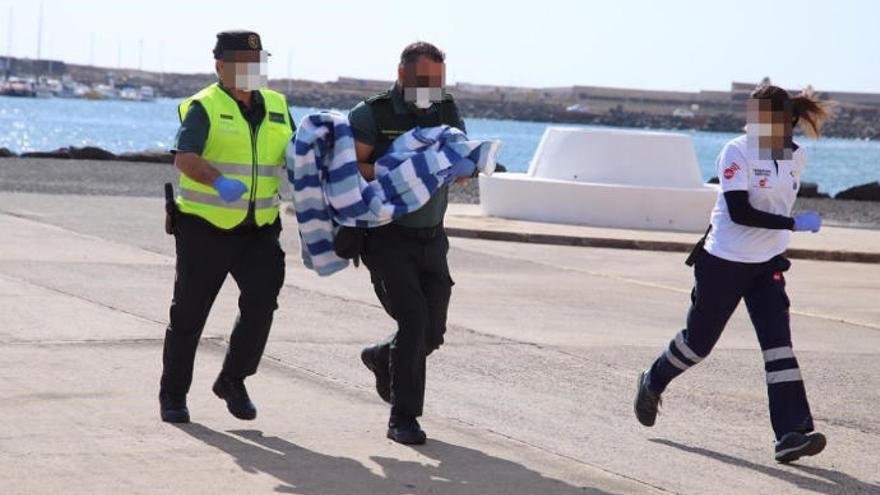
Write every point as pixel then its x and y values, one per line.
pixel 230 151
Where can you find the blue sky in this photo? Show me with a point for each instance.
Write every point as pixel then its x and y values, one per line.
pixel 675 45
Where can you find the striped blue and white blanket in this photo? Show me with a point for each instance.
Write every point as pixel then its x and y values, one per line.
pixel 329 191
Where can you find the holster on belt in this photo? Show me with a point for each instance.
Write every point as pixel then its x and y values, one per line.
pixel 170 209
pixel 348 243
pixel 781 263
pixel 695 251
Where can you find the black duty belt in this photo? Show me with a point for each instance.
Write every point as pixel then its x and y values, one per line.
pixel 425 233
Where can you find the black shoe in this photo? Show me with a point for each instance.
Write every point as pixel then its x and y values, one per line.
pixel 236 397
pixel 406 431
pixel 380 369
pixel 173 410
pixel 792 446
pixel 646 403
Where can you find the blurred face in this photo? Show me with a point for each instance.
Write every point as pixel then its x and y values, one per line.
pixel 422 82
pixel 245 70
pixel 769 131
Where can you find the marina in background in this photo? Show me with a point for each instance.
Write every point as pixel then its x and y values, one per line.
pixel 857 115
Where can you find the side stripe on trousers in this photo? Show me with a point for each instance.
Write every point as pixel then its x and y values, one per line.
pixel 679 354
pixel 781 365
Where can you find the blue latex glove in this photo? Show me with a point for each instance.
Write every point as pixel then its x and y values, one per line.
pixel 230 189
pixel 808 220
pixel 463 168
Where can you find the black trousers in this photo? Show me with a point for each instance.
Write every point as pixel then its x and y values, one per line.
pixel 205 255
pixel 410 275
pixel 719 287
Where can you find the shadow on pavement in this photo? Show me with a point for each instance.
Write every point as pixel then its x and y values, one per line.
pixel 459 470
pixel 832 482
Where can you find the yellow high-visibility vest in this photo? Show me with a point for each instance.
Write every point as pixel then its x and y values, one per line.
pixel 256 158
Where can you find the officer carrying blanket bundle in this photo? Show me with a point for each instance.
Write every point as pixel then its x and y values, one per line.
pixel 329 191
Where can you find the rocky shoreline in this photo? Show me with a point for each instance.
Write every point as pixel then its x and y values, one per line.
pixel 83 171
pixel 863 192
pixel 94 153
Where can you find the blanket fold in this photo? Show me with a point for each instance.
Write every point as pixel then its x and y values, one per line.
pixel 329 191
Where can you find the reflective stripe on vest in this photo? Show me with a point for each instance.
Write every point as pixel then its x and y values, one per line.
pixel 255 157
pixel 239 204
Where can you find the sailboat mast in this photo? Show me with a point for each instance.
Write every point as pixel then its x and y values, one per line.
pixel 40 34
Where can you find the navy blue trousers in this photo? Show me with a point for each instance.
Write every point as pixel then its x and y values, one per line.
pixel 718 289
pixel 411 279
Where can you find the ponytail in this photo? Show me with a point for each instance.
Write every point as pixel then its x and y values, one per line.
pixel 805 106
pixel 810 111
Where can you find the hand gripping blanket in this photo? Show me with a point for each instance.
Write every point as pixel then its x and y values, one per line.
pixel 329 191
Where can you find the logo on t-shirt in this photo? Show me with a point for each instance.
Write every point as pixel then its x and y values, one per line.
pixel 762 182
pixel 731 171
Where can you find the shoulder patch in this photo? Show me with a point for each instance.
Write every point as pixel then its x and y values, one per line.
pixel 730 172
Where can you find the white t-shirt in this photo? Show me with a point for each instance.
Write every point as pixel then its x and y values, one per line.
pixel 770 189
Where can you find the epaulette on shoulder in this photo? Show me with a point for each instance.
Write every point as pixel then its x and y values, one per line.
pixel 385 95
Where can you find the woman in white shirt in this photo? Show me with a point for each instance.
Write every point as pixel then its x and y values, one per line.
pixel 742 258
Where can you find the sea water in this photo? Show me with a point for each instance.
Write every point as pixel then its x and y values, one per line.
pixel 35 124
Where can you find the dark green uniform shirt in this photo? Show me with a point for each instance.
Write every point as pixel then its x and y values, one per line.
pixel 380 119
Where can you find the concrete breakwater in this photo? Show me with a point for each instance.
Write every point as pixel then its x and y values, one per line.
pixel 847 123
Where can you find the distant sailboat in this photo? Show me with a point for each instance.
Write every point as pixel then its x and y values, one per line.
pixel 47 88
pixel 15 86
pixel 144 93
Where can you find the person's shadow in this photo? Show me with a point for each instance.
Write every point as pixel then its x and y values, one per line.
pixel 831 482
pixel 460 470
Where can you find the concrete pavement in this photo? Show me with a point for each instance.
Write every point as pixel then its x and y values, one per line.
pixel 531 394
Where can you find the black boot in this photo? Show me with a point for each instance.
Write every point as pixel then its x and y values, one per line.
pixel 792 446
pixel 646 403
pixel 173 409
pixel 406 431
pixel 235 394
pixel 371 359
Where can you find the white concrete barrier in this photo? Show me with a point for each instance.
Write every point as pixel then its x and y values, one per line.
pixel 607 178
